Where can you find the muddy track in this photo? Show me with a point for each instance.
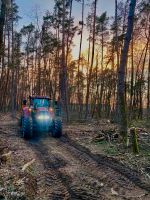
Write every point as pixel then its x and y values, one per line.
pixel 50 179
pixel 105 161
pixel 60 183
pixel 53 178
pixel 72 172
pixel 88 187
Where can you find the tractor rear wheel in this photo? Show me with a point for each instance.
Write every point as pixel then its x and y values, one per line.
pixel 20 121
pixel 27 128
pixel 57 129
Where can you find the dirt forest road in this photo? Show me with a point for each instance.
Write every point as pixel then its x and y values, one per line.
pixel 62 169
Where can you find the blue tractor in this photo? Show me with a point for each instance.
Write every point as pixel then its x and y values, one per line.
pixel 41 115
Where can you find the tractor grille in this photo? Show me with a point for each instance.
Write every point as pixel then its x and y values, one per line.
pixel 43 120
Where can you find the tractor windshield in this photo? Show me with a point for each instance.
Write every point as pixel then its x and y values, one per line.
pixel 40 103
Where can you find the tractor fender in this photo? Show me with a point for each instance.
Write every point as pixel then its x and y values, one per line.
pixel 26 112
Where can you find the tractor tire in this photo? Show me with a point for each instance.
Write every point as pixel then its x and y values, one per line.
pixel 20 121
pixel 57 129
pixel 27 128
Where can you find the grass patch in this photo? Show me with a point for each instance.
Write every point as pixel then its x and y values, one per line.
pixel 144 123
pixel 108 148
pixel 144 149
pixel 112 150
pixel 104 142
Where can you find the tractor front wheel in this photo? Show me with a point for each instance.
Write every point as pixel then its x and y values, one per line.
pixel 27 128
pixel 57 128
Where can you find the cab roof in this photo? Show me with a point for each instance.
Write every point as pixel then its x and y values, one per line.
pixel 39 97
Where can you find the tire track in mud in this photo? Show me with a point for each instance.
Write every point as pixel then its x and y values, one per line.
pixel 56 182
pixel 52 177
pixel 104 161
pixel 89 185
pixel 61 185
pixel 84 186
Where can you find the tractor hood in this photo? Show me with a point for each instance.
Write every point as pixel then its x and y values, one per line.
pixel 42 109
pixel 45 111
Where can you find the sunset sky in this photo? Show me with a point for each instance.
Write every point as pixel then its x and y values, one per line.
pixel 27 12
pixel 26 8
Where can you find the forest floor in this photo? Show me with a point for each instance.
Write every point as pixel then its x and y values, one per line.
pixel 85 163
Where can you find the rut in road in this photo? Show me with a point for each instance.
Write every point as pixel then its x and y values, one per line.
pixel 108 162
pixel 83 173
pixel 73 172
pixel 56 183
pixel 63 186
pixel 53 181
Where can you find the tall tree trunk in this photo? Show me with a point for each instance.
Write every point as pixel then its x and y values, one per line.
pixel 141 82
pixel 132 78
pixel 63 75
pixel 92 60
pixel 102 79
pixel 97 88
pixel 13 91
pixel 79 59
pixel 2 23
pixel 39 71
pixel 121 73
pixel 116 32
pixel 68 35
pixel 148 89
pixel 117 53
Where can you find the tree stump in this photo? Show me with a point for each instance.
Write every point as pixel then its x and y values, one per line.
pixel 134 139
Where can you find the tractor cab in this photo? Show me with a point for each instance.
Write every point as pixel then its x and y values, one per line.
pixel 44 103
pixel 38 102
pixel 42 114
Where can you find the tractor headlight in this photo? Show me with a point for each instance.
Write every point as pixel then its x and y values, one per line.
pixel 46 117
pixel 43 117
